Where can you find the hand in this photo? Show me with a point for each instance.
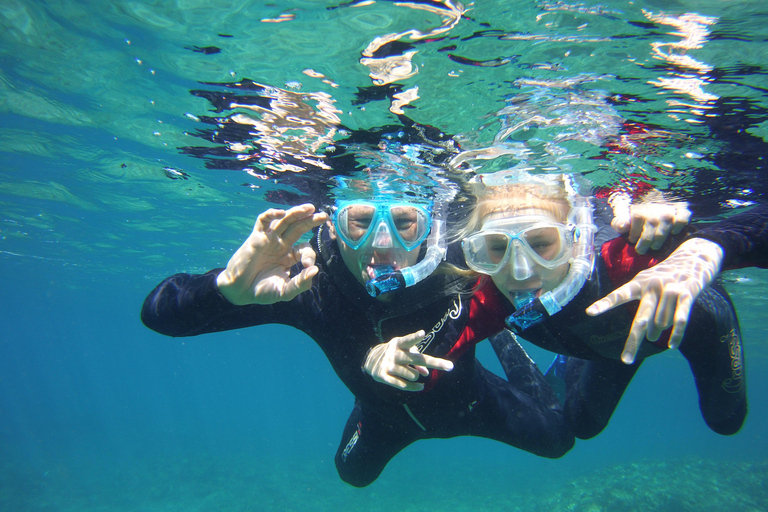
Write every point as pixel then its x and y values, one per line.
pixel 648 224
pixel 258 273
pixel 399 363
pixel 666 292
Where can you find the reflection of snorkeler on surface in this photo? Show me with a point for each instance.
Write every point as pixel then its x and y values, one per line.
pixel 523 234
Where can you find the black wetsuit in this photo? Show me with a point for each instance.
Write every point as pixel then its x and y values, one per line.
pixel 595 378
pixel 345 322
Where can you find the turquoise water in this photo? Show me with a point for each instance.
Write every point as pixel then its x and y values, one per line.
pixel 105 190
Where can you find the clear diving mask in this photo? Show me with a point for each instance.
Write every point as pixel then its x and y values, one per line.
pixel 523 242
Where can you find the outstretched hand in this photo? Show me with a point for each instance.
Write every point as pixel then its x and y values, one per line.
pixel 399 362
pixel 648 224
pixel 666 292
pixel 259 271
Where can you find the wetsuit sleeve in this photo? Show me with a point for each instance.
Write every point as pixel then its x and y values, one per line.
pixel 191 304
pixel 743 237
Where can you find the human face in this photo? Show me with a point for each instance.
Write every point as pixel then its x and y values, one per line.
pixel 525 250
pixel 379 237
pixel 381 223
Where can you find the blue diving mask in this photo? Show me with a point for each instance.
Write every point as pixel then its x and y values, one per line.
pixel 382 224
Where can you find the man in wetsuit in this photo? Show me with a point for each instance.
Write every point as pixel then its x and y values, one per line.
pixel 319 289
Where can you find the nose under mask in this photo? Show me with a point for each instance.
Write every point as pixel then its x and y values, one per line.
pixel 522 266
pixel 382 238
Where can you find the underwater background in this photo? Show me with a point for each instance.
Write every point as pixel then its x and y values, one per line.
pixel 114 174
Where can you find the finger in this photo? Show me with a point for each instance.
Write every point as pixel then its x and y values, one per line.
pixel 431 362
pixel 665 311
pixel 620 222
pixel 292 215
pixel 400 383
pixel 682 218
pixel 297 221
pixel 647 237
pixel 620 203
pixel 682 314
pixel 637 332
pixel 662 232
pixel 265 219
pixel 636 228
pixel 632 345
pixel 301 226
pixel 299 283
pixel 621 295
pixel 305 254
pixel 408 341
pixel 404 372
pixel 652 332
pixel 646 312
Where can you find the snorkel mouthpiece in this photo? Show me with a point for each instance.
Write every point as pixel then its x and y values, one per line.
pixel 528 311
pixel 526 316
pixel 385 282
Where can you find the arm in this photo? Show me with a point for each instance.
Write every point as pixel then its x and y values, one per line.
pixel 648 224
pixel 667 291
pixel 188 305
pixel 743 237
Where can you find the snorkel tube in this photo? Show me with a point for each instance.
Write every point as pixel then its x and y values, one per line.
pixel 532 310
pixel 437 248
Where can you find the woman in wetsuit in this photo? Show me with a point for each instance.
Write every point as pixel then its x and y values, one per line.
pixel 531 237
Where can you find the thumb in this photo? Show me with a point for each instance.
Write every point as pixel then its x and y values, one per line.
pixel 299 283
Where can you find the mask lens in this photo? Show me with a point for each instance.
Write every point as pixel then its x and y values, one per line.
pixel 547 243
pixel 486 252
pixel 410 225
pixel 354 223
pixel 496 247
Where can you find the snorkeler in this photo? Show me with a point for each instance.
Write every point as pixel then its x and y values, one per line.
pixel 532 236
pixel 320 288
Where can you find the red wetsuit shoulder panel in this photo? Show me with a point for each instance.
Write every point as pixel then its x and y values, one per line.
pixel 622 261
pixel 487 310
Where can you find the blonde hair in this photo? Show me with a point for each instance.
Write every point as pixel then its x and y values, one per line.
pixel 550 196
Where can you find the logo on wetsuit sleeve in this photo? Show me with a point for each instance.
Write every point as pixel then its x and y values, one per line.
pixel 453 313
pixel 352 442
